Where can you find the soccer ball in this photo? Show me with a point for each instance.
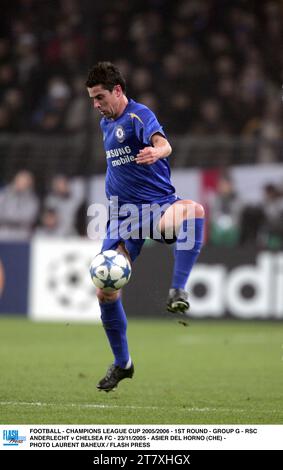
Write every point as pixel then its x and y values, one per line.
pixel 110 270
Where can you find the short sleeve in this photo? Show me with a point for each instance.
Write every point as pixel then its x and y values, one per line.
pixel 146 125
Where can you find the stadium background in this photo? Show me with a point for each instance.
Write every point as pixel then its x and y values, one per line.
pixel 213 72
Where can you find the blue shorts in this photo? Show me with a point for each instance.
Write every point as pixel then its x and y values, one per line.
pixel 131 224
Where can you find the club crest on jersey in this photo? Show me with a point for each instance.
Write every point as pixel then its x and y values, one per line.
pixel 120 134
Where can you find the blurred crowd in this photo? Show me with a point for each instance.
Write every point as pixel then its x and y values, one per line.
pixel 62 212
pixel 234 222
pixel 206 67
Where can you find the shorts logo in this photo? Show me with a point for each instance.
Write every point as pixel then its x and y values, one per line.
pixel 120 134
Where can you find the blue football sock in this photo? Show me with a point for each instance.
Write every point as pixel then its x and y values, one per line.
pixel 115 324
pixel 186 251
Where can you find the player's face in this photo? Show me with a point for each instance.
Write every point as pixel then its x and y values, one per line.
pixel 107 102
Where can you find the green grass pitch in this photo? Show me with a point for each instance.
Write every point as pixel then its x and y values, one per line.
pixel 211 372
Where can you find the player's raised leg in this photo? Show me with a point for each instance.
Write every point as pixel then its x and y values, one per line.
pixel 186 218
pixel 114 321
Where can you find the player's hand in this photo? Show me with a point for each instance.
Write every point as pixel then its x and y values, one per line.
pixel 147 156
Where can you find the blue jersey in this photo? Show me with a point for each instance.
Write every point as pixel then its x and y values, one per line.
pixel 123 138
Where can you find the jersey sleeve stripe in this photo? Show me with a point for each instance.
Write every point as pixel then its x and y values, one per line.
pixel 133 115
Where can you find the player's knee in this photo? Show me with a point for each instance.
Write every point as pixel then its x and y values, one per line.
pixel 199 211
pixel 193 209
pixel 107 296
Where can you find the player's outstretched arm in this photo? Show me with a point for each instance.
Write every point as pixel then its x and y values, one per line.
pixel 160 149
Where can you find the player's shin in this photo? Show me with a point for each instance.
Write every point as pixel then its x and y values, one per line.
pixel 187 249
pixel 115 324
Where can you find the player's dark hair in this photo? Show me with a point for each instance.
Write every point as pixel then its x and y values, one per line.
pixel 107 75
